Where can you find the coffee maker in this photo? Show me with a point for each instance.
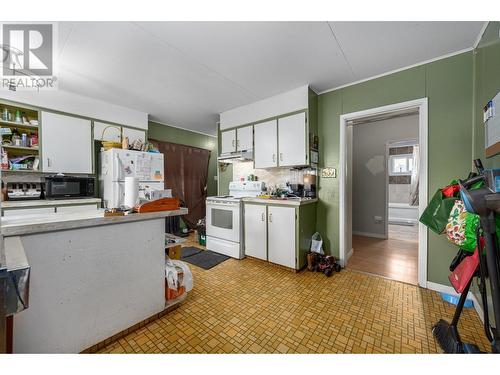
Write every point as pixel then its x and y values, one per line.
pixel 310 183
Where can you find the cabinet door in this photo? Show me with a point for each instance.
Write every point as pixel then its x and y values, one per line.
pixel 244 138
pixel 256 231
pixel 66 144
pixel 228 141
pixel 110 134
pixel 134 134
pixel 281 227
pixel 265 144
pixel 292 140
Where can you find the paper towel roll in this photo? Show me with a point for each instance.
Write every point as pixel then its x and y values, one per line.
pixel 131 191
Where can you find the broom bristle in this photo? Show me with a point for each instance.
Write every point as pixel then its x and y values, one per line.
pixel 447 337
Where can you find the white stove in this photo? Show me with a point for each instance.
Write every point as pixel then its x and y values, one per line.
pixel 224 220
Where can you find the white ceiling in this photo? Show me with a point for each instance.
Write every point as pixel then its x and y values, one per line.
pixel 185 73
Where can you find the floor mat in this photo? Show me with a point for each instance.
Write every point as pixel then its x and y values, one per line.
pixel 189 251
pixel 206 259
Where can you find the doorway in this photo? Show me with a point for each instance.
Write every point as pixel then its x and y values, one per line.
pixel 376 235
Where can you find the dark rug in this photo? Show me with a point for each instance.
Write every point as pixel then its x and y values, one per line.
pixel 189 251
pixel 205 259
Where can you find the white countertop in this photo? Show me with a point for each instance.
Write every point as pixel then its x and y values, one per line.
pixel 49 203
pixel 39 223
pixel 286 202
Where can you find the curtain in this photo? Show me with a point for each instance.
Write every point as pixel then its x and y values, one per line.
pixel 414 182
pixel 186 173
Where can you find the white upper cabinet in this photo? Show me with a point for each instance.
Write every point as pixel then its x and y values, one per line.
pixel 134 134
pixel 292 140
pixel 66 144
pixel 266 144
pixel 228 141
pixel 107 132
pixel 287 102
pixel 281 227
pixel 244 138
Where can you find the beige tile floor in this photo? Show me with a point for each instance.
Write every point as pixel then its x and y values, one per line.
pixel 249 306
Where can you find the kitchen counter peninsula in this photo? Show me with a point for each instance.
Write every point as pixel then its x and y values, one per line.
pixel 92 277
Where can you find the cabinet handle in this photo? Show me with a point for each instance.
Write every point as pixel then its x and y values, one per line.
pixel 48 162
pixel 232 142
pixel 281 156
pixel 262 217
pixel 270 217
pixel 274 158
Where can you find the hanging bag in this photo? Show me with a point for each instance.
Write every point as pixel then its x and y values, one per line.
pixel 461 227
pixel 462 274
pixel 437 212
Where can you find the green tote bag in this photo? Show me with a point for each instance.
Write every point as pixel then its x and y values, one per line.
pixel 435 216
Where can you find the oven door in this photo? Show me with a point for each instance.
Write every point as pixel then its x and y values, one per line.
pixel 223 220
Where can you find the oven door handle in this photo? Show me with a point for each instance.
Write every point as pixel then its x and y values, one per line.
pixel 228 205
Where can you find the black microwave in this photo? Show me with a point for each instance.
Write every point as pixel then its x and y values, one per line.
pixel 63 187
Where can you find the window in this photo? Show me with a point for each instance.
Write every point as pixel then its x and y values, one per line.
pixel 400 165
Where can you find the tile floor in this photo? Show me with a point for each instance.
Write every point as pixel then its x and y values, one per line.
pixel 250 306
pixel 392 258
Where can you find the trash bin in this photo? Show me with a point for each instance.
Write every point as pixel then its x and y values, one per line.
pixel 202 232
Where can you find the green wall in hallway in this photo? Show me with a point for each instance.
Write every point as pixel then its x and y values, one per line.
pixel 447 84
pixel 486 85
pixel 185 137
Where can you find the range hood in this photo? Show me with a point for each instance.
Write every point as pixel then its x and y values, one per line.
pixel 232 157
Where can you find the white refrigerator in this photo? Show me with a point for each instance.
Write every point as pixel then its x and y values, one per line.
pixel 116 164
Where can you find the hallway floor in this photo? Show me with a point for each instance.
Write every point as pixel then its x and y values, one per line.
pixel 395 259
pixel 250 306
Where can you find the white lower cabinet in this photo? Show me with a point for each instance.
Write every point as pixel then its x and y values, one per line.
pixel 281 244
pixel 256 231
pixel 270 233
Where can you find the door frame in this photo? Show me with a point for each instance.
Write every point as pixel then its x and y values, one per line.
pixel 422 106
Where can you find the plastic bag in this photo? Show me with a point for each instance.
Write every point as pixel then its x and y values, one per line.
pixel 317 243
pixel 187 280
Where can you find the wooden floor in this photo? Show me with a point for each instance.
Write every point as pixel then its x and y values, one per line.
pixel 392 258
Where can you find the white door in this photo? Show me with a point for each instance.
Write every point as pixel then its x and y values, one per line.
pixel 281 227
pixel 265 144
pixel 244 138
pixel 66 144
pixel 256 231
pixel 228 141
pixel 292 140
pixel 134 134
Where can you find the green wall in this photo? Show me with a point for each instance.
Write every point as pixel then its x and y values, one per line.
pixel 486 86
pixel 185 137
pixel 447 84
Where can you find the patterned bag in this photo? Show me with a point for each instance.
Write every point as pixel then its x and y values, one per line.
pixel 461 227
